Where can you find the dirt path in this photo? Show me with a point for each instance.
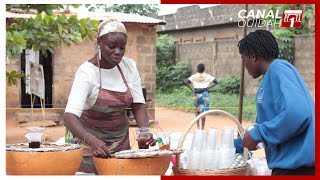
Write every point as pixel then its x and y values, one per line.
pixel 168 120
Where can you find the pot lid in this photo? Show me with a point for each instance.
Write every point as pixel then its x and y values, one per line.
pixel 145 153
pixel 44 147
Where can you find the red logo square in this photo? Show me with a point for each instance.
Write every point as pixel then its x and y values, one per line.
pixel 291 18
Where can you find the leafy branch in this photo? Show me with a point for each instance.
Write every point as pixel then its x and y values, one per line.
pixel 285 36
pixel 44 32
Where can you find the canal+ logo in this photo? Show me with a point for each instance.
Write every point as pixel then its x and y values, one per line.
pixel 255 18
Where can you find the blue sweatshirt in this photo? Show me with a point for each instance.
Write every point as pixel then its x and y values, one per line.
pixel 285 118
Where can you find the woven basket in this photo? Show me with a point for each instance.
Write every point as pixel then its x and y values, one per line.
pixel 237 171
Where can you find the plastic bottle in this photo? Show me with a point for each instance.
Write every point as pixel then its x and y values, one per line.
pixel 162 146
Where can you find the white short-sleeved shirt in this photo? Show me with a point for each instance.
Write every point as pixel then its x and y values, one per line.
pixel 204 83
pixel 85 88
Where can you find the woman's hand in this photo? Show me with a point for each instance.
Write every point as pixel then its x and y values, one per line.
pixel 151 141
pixel 99 148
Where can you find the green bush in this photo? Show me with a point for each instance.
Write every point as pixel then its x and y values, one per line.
pixel 171 77
pixel 228 85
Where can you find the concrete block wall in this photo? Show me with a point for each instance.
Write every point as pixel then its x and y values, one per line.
pixel 305 59
pixel 193 16
pixel 222 58
pixel 66 61
pixel 192 56
pixel 142 48
pixel 13 93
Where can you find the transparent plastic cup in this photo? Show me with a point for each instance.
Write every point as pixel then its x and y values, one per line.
pixel 212 139
pixel 34 136
pixel 174 140
pixel 34 139
pixel 199 140
pixel 35 129
pixel 142 137
pixel 227 140
pixel 226 157
pixel 194 160
pixel 211 159
pixel 165 136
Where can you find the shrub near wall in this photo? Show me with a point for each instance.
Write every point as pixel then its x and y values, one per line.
pixel 171 77
pixel 228 85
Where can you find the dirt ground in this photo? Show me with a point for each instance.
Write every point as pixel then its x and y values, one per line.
pixel 167 120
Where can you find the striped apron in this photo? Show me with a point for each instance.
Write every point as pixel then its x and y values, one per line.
pixel 107 120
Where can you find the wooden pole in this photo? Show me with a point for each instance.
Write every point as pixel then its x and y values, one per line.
pixel 242 75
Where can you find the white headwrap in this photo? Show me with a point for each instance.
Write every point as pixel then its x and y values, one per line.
pixel 111 25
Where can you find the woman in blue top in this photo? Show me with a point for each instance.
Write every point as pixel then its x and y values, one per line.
pixel 285 108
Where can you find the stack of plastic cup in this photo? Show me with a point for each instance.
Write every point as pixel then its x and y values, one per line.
pixel 174 140
pixel 186 146
pixel 198 144
pixel 227 138
pixel 210 156
pixel 34 136
pixel 212 139
pixel 227 150
pixel 188 141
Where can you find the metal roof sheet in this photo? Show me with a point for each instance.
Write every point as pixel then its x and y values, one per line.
pixel 19 15
pixel 123 17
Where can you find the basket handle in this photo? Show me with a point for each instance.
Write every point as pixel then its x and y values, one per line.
pixel 235 120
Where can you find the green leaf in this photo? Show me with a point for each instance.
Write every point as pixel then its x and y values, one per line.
pixel 60 29
pixel 76 5
pixel 36 47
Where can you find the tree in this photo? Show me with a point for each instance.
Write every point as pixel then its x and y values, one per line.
pixel 44 32
pixel 169 74
pixel 165 50
pixel 141 9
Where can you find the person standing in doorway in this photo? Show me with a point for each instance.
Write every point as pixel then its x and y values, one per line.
pixel 202 82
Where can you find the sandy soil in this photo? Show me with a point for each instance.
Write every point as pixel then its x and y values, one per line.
pixel 168 120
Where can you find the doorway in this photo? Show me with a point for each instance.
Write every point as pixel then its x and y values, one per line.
pixel 46 61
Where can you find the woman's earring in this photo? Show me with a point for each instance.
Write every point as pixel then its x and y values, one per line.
pixel 99 52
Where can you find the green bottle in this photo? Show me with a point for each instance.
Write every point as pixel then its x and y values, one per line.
pixel 162 146
pixel 69 137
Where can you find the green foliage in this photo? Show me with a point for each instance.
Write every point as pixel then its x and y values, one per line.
pixel 47 32
pixel 170 77
pixel 165 50
pixel 15 43
pixel 141 9
pixel 228 85
pixel 285 36
pixel 285 41
pixel 13 76
pixel 182 99
pixel 44 32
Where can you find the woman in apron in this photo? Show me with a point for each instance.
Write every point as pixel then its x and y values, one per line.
pixel 103 88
